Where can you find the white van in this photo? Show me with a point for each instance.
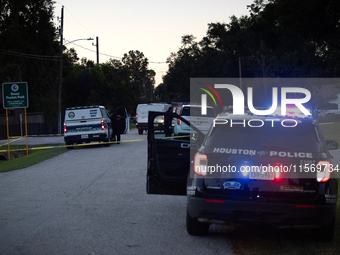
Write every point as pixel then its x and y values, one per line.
pixel 90 123
pixel 142 114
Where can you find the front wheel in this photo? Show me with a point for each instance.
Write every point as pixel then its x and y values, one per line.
pixel 196 228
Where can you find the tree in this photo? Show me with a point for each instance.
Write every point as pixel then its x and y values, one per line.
pixel 29 51
pixel 280 38
pixel 143 80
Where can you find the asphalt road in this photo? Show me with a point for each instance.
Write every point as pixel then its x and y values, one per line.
pixel 92 200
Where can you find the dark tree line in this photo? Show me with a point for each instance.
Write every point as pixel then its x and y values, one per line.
pixel 115 83
pixel 29 51
pixel 279 38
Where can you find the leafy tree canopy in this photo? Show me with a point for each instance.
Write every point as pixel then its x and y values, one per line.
pixel 279 38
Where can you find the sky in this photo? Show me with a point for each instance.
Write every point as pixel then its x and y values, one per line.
pixel 154 27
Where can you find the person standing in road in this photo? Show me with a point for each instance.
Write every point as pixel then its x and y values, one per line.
pixel 115 119
pixel 167 123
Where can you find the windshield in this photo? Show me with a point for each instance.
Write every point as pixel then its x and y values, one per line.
pixel 196 111
pixel 303 137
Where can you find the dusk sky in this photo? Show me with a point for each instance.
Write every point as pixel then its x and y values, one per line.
pixel 152 27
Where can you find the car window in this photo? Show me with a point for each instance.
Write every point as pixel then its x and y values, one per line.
pixel 196 111
pixel 303 137
pixel 165 129
pixel 104 113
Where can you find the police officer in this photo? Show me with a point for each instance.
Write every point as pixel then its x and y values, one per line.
pixel 115 119
pixel 167 123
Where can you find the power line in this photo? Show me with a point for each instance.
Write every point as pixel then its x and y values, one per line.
pixel 33 56
pixel 104 54
pixel 79 22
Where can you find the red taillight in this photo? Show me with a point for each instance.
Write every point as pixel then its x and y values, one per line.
pixel 277 170
pixel 179 121
pixel 200 164
pixel 103 125
pixel 324 169
pixel 214 201
pixel 65 130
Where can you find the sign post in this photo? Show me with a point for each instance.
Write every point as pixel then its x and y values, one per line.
pixel 15 95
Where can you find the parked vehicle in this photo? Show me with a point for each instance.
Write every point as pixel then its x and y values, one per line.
pixel 192 113
pixel 248 169
pixel 90 124
pixel 142 113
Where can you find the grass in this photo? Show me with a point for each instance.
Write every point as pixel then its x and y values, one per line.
pixel 259 239
pixel 132 125
pixel 37 154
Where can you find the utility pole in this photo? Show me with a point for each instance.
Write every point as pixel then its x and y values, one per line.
pixel 61 30
pixel 240 72
pixel 97 44
pixel 97 47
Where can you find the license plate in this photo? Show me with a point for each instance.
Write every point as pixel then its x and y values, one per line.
pixel 262 175
pixel 197 123
pixel 84 136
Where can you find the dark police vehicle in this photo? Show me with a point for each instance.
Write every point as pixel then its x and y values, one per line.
pixel 248 169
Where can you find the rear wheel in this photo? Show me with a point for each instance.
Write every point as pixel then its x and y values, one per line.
pixel 69 145
pixel 196 228
pixel 140 131
pixel 107 142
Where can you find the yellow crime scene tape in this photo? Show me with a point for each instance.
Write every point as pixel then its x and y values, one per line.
pixel 61 146
pixel 90 144
pixel 78 145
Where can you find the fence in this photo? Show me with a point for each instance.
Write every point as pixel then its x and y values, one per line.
pixel 32 129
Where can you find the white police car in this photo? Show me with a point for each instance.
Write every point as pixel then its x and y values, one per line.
pixel 90 123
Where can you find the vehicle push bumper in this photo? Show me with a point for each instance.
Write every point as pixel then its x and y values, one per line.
pixel 219 211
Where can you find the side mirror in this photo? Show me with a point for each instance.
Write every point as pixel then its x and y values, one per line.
pixel 332 145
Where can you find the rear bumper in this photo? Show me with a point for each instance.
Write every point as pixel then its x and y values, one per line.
pixel 70 139
pixel 258 212
pixel 144 126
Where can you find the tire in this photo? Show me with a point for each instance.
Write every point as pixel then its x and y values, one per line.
pixel 196 228
pixel 107 142
pixel 326 233
pixel 140 131
pixel 69 146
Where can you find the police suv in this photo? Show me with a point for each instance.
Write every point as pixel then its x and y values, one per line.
pixel 258 169
pixel 91 123
pixel 87 124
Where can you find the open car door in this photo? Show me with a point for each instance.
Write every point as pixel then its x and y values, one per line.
pixel 121 110
pixel 169 156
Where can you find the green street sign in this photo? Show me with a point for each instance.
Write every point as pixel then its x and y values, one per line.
pixel 15 95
